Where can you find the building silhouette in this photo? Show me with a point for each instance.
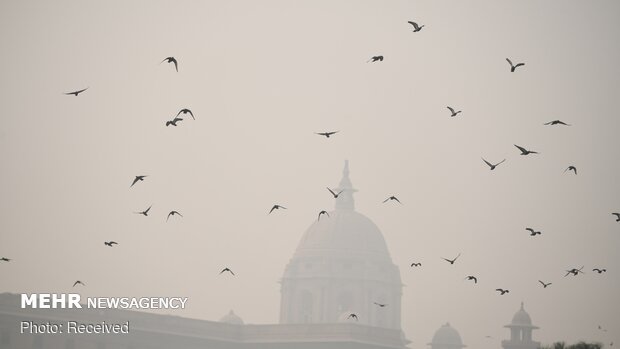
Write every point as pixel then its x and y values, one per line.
pixel 446 337
pixel 521 332
pixel 342 266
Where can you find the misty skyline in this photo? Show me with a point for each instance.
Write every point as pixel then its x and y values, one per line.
pixel 262 78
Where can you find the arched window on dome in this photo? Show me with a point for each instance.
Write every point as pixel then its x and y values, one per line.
pixel 306 306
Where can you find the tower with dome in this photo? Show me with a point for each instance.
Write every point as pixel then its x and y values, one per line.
pixel 521 332
pixel 342 266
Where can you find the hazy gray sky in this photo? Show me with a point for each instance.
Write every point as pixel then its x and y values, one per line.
pixel 261 77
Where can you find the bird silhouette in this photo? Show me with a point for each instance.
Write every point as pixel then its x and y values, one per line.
pixel 502 291
pixel 326 134
pixel 380 305
pixel 186 111
pixel 451 261
pixel 78 283
pixel 138 178
pixel 544 284
pixel 416 27
pixel 525 151
pixel 276 207
pixel 491 165
pixel 617 216
pixel 110 243
pixel 322 212
pixel 375 58
pixel 352 316
pixel 453 112
pixel 571 168
pixel 512 66
pixel 174 121
pixel 392 198
pixel 227 270
pixel 335 194
pixel 533 232
pixel 601 328
pixel 172 213
pixel 574 271
pixel 599 270
pixel 471 277
pixel 75 93
pixel 4 259
pixel 145 212
pixel 557 122
pixel 416 264
pixel 171 60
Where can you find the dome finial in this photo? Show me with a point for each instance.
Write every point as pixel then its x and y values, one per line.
pixel 345 199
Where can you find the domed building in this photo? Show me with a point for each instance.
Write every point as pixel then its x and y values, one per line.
pixel 521 332
pixel 342 266
pixel 232 318
pixel 446 337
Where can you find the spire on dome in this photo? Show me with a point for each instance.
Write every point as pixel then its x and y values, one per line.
pixel 345 199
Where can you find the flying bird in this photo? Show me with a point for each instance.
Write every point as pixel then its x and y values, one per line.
pixel 599 270
pixel 416 27
pixel 502 291
pixel 380 305
pixel 172 213
pixel 110 243
pixel 471 277
pixel 173 122
pixel 78 283
pixel 557 122
pixel 525 151
pixel 322 212
pixel 335 194
pixel 171 60
pixel 138 178
pixel 145 212
pixel 326 134
pixel 544 284
pixel 392 198
pixel 276 207
pixel 491 165
pixel 574 271
pixel 533 232
pixel 601 328
pixel 571 168
pixel 512 66
pixel 617 216
pixel 186 111
pixel 451 261
pixel 453 112
pixel 375 58
pixel 227 270
pixel 416 264
pixel 4 259
pixel 75 93
pixel 353 316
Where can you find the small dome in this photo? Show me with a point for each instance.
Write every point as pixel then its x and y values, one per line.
pixel 521 318
pixel 232 318
pixel 447 337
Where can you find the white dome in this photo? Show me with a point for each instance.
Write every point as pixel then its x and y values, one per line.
pixel 521 318
pixel 344 231
pixel 447 337
pixel 232 318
